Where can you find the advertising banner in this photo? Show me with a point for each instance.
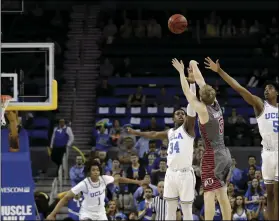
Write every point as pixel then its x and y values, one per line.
pixel 17 185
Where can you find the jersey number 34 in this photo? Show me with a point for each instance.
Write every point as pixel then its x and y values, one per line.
pixel 174 147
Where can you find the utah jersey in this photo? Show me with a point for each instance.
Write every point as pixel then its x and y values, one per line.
pixel 94 194
pixel 180 149
pixel 212 132
pixel 268 127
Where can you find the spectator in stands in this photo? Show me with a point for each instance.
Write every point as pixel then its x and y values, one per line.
pixel 145 206
pixel 139 29
pixel 230 190
pixel 233 118
pixel 239 211
pixel 273 29
pixel 251 175
pixel 258 176
pixel 160 174
pixel 218 214
pixel 113 213
pixel 254 80
pixel 252 161
pixel 133 216
pixel 163 99
pixel 154 29
pixel 106 69
pixel 110 31
pixel 253 194
pixel 261 212
pixel 236 176
pixel 62 138
pixel 135 171
pixel 228 30
pixel 77 171
pixel 143 146
pixel 116 168
pixel 137 99
pixel 121 194
pixel 115 132
pixel 150 158
pixel 126 29
pixel 162 155
pixel 243 30
pixel 125 69
pixel 255 28
pixel 212 28
pixel 275 51
pixel 102 141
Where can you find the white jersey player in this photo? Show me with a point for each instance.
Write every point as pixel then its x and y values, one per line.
pixel 268 127
pixel 180 179
pixel 94 192
pixel 267 116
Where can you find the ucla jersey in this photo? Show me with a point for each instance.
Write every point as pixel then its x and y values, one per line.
pixel 180 149
pixel 268 127
pixel 94 194
pixel 242 217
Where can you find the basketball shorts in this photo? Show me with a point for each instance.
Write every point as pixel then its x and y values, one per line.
pixel 86 215
pixel 215 169
pixel 180 184
pixel 270 166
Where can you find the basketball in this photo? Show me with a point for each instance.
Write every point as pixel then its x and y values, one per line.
pixel 177 24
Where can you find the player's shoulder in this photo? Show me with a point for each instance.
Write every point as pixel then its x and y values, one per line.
pixel 106 179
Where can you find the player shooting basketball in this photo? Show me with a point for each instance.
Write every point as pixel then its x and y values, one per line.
pixel 267 118
pixel 216 161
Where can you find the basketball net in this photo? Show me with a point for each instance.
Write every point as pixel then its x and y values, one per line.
pixel 5 100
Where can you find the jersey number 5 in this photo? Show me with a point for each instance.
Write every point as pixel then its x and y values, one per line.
pixel 275 126
pixel 221 125
pixel 174 148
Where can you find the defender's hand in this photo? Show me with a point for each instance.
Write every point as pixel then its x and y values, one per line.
pixel 209 64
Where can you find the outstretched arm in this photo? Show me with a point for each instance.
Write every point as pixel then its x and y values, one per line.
pixel 150 134
pixel 197 73
pixel 192 99
pixel 251 99
pixel 189 125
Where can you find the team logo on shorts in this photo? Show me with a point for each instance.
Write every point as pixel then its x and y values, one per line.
pixel 208 182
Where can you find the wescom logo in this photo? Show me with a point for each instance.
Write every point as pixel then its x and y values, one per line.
pixel 15 190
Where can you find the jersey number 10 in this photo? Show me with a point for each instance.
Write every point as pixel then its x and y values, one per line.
pixel 174 147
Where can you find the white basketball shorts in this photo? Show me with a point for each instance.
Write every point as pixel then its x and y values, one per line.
pixel 86 215
pixel 270 166
pixel 180 184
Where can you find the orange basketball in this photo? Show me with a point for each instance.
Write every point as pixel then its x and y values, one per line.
pixel 177 24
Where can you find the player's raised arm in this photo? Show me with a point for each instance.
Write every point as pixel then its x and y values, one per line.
pixel 199 107
pixel 251 99
pixel 197 73
pixel 191 113
pixel 161 135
